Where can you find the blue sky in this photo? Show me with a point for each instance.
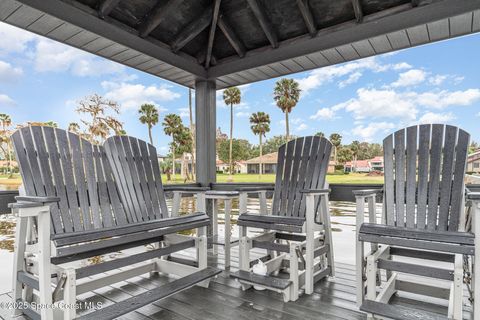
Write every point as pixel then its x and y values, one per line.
pixel 41 80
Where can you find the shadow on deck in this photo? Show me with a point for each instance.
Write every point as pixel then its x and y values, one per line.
pixel 224 299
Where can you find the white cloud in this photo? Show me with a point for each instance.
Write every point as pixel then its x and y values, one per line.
pixel 324 113
pixel 14 39
pixel 437 79
pixel 321 76
pixel 352 78
pixel 242 114
pixel 401 66
pixel 131 96
pixel 373 103
pixel 184 112
pixel 367 133
pixel 6 101
pixel 444 98
pixel 56 57
pixel 8 72
pixel 410 78
pixel 301 127
pixel 431 117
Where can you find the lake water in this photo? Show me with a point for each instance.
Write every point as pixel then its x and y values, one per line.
pixel 342 216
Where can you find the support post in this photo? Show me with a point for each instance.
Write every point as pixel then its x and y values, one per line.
pixel 205 136
pixel 205 118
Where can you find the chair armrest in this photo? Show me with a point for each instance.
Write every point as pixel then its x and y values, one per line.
pixel 315 191
pixel 187 189
pixel 366 192
pixel 473 196
pixel 255 189
pixel 32 201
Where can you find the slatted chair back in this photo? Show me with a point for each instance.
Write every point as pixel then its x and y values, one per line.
pixel 424 176
pixel 302 164
pixel 54 162
pixel 137 172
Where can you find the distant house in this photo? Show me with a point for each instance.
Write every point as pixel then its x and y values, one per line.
pixel 377 164
pixel 357 166
pixel 374 164
pixel 269 161
pixel 222 167
pixel 473 162
pixel 161 158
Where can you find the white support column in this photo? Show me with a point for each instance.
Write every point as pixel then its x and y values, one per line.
pixel 359 252
pixel 309 247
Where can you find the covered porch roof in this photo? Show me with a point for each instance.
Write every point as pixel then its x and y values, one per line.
pixel 236 42
pixel 213 44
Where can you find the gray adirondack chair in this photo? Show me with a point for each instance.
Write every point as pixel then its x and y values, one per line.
pixel 423 217
pixel 72 210
pixel 297 232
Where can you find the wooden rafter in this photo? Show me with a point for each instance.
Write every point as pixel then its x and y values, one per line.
pixel 307 17
pixel 415 3
pixel 265 23
pixel 192 30
pixel 156 16
pixel 231 36
pixel 106 6
pixel 211 36
pixel 201 58
pixel 357 7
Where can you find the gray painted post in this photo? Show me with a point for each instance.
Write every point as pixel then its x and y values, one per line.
pixel 205 136
pixel 205 129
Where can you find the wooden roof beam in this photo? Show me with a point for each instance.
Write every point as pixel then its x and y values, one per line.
pixel 211 35
pixel 231 36
pixel 156 16
pixel 106 6
pixel 415 3
pixel 265 23
pixel 192 30
pixel 357 7
pixel 307 17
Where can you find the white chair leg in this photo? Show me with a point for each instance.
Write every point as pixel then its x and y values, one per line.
pixel 19 259
pixel 44 266
pixel 359 253
pixel 371 277
pixel 244 253
pixel 328 235
pixel 458 288
pixel 294 272
pixel 214 224
pixel 70 295
pixel 177 197
pixel 228 232
pixel 309 246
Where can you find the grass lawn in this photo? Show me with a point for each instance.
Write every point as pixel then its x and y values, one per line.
pixel 270 178
pixel 360 178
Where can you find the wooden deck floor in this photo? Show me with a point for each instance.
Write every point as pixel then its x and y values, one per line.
pixel 224 299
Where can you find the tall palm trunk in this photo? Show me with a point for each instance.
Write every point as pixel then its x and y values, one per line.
pixel 287 127
pixel 150 133
pixel 192 133
pixel 261 160
pixel 231 142
pixel 10 169
pixel 173 160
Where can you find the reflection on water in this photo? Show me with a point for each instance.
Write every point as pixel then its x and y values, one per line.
pixel 343 227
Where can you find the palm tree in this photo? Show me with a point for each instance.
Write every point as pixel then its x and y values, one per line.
pixel 260 124
pixel 149 116
pixel 231 96
pixel 355 147
pixel 172 125
pixel 6 121
pixel 286 94
pixel 73 127
pixel 336 140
